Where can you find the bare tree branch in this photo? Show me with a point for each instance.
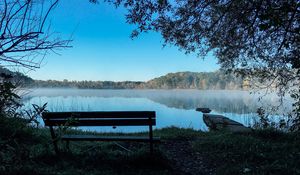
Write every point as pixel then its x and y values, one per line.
pixel 23 38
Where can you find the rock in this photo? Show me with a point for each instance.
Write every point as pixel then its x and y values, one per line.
pixel 219 122
pixel 203 110
pixel 246 170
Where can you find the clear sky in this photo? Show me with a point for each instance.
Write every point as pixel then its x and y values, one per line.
pixel 103 50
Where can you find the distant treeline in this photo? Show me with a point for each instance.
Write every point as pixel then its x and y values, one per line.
pixel 179 80
pixel 88 84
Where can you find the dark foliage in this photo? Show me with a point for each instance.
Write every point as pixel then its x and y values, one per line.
pixel 9 100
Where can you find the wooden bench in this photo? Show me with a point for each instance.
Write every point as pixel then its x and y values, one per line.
pixel 116 118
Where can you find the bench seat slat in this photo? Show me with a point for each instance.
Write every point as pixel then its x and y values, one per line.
pixel 102 122
pixel 108 138
pixel 100 114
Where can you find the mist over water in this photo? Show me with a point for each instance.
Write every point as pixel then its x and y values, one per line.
pixel 173 107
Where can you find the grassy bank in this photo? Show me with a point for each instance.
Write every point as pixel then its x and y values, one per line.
pixel 261 152
pixel 27 150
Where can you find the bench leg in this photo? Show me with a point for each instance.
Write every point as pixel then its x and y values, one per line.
pixel 55 147
pixel 151 136
pixel 68 145
pixel 54 140
pixel 151 147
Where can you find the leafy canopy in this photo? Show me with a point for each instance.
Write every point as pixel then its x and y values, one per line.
pixel 258 38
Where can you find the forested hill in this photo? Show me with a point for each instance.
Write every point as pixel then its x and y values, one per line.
pixel 18 78
pixel 179 80
pixel 193 80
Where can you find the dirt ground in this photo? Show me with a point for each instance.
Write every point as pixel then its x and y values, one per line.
pixel 186 161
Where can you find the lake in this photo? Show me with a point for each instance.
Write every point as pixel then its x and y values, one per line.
pixel 173 107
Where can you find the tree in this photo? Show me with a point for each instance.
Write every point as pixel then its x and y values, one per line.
pixel 259 39
pixel 25 36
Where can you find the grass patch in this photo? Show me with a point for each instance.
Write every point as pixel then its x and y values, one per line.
pixel 174 133
pixel 28 150
pixel 260 152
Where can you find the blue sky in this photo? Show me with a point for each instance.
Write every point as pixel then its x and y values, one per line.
pixel 103 50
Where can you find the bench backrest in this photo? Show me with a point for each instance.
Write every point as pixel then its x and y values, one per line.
pixel 107 118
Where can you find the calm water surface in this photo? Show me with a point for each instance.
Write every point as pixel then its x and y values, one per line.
pixel 173 107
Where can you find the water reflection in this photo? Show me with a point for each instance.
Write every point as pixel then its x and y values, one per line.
pixel 223 101
pixel 173 107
